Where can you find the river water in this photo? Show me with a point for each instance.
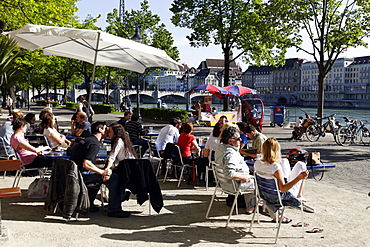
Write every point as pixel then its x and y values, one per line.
pixel 294 112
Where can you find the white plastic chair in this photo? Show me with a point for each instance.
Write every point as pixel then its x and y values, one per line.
pixel 268 184
pixel 227 186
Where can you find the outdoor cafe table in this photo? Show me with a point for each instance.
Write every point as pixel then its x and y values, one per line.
pixel 150 134
pixel 102 154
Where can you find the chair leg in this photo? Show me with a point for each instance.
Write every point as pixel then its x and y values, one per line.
pixel 181 174
pixel 17 178
pixel 232 209
pixel 167 168
pixel 206 177
pixel 280 221
pixel 210 204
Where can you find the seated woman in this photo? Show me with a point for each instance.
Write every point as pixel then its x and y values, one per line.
pixel 212 142
pixel 30 156
pixel 55 139
pixel 122 147
pixel 271 163
pixel 228 157
pixel 187 142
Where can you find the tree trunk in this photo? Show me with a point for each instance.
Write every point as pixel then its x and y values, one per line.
pixel 321 98
pixel 65 91
pixel 226 76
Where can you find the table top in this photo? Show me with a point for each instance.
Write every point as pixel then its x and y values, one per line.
pixel 102 154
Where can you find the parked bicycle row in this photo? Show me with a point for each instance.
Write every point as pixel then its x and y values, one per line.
pixel 352 132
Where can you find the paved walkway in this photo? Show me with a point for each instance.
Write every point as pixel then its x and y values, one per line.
pixel 340 200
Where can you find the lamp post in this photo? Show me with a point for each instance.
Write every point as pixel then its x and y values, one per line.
pixel 137 37
pixel 187 91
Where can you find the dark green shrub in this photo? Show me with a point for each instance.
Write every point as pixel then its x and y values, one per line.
pixel 162 114
pixel 43 103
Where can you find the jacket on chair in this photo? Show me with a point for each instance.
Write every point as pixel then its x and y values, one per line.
pixel 67 186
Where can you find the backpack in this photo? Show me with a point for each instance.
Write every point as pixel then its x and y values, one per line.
pixel 72 147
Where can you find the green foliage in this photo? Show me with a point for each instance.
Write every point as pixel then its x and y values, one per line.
pixel 98 108
pixel 153 32
pixel 331 26
pixel 162 114
pixel 8 54
pixel 17 13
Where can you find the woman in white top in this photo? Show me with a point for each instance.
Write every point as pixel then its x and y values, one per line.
pixel 55 139
pixel 213 141
pixel 121 145
pixel 272 164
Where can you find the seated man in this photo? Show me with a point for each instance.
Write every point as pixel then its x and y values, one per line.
pixel 84 154
pixel 125 119
pixel 135 129
pixel 257 141
pixel 81 127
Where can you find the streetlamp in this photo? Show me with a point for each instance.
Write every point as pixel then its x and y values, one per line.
pixel 137 37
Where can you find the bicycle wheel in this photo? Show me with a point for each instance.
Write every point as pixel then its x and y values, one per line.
pixel 313 133
pixel 364 135
pixel 356 136
pixel 344 136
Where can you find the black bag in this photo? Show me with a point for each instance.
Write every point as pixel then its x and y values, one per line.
pixel 71 148
pixel 240 201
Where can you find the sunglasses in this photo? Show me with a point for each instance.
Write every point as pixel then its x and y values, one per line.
pixel 237 139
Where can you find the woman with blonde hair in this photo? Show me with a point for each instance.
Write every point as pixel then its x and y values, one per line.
pixel 272 164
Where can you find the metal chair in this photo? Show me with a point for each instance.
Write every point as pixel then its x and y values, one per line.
pixel 227 186
pixel 4 152
pixel 176 162
pixel 18 175
pixel 268 184
pixel 154 156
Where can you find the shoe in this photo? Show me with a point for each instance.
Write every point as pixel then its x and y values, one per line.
pixel 94 208
pixel 284 221
pixel 119 214
pixel 249 211
pixel 307 208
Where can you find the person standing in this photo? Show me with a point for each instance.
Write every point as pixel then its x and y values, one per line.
pixel 84 106
pixel 9 104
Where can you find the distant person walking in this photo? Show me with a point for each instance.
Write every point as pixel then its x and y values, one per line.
pixel 9 104
pixel 84 106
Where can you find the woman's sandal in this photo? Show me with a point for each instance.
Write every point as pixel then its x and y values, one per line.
pixel 249 211
pixel 284 221
pixel 299 224
pixel 315 230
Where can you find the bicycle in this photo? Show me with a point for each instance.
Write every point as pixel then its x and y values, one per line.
pixel 354 132
pixel 316 130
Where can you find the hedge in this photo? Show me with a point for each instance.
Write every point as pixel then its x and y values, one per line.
pixel 44 103
pixel 162 114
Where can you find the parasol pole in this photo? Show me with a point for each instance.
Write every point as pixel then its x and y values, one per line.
pixel 94 68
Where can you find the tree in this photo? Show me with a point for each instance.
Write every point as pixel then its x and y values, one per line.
pixel 331 25
pixel 8 54
pixel 152 31
pixel 16 13
pixel 245 27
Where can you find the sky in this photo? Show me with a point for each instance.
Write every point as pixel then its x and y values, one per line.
pixel 188 55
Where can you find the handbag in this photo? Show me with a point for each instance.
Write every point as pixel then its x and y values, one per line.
pixel 313 158
pixel 38 188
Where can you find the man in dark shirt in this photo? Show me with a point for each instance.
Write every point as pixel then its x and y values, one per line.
pixel 84 154
pixel 81 127
pixel 125 119
pixel 135 129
